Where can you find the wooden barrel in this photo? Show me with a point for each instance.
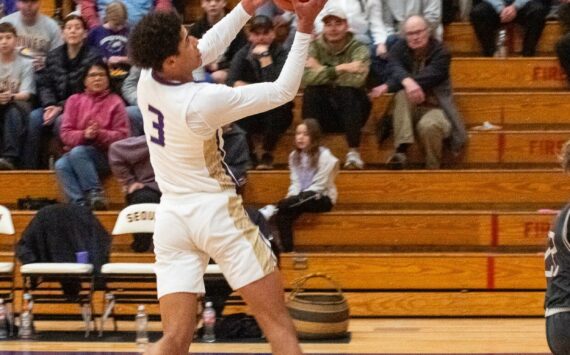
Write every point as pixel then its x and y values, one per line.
pixel 318 315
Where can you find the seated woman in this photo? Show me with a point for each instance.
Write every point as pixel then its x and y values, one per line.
pixel 61 78
pixel 92 120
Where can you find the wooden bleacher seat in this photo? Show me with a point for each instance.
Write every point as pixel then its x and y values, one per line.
pixel 545 187
pixel 461 40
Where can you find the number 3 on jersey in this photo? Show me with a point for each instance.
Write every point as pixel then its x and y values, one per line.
pixel 158 125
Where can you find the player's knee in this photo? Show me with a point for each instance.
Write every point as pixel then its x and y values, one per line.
pixel 178 341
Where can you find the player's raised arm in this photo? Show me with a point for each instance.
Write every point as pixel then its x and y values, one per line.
pixel 255 98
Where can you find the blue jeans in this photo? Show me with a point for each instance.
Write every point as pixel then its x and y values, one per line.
pixel 31 150
pixel 79 172
pixel 136 120
pixel 13 129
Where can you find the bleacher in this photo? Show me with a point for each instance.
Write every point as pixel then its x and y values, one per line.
pixel 464 241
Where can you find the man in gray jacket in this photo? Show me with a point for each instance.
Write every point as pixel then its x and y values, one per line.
pixel 419 75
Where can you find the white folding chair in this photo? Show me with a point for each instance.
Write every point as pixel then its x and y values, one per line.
pixel 7 267
pixel 130 283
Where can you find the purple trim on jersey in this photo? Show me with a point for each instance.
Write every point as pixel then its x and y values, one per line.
pixel 163 81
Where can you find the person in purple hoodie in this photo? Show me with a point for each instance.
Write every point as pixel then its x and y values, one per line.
pixel 92 120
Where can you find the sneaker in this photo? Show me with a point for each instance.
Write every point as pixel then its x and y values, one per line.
pixel 397 161
pixel 268 211
pixel 97 200
pixel 353 161
pixel 266 162
pixel 6 164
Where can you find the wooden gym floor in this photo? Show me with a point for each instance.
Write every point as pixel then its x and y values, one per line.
pixel 369 336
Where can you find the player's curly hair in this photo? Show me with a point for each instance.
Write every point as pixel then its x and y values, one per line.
pixel 565 157
pixel 154 39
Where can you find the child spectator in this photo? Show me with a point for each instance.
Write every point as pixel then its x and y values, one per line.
pixel 111 37
pixel 313 170
pixel 16 88
pixel 92 120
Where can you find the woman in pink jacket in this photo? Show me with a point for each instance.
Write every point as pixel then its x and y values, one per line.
pixel 92 120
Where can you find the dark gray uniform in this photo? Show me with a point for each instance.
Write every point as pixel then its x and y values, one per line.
pixel 557 298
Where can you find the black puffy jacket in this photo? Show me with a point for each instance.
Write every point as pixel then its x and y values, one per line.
pixel 63 77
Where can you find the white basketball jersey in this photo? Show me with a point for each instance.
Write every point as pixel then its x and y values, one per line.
pixel 183 161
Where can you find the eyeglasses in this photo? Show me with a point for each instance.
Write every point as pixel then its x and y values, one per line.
pixel 95 75
pixel 415 33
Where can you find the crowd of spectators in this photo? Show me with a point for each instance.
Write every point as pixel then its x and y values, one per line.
pixel 361 49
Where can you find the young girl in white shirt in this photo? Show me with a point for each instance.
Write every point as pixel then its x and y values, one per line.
pixel 312 189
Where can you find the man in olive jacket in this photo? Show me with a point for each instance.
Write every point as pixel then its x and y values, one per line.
pixel 419 75
pixel 334 79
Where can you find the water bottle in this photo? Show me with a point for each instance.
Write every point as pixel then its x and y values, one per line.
pixel 501 51
pixel 26 318
pixel 141 321
pixel 3 321
pixel 209 319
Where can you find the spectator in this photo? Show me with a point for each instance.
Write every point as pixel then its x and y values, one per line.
pixel 419 75
pixel 62 77
pixel 214 11
pixel 261 60
pixel 129 92
pixel 16 88
pixel 284 23
pixel 489 15
pixel 37 34
pixel 111 37
pixel 94 10
pixel 557 264
pixel 236 153
pixel 130 163
pixel 385 20
pixel 334 80
pixel 92 120
pixel 312 189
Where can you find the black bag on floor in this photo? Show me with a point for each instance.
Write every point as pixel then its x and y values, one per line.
pixel 238 326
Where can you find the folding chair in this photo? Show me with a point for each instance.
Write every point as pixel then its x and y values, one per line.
pixel 42 281
pixel 7 268
pixel 133 283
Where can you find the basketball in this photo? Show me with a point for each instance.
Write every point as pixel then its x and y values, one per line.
pixel 286 5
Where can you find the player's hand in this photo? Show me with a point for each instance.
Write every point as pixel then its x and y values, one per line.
pixel 5 97
pixel 251 5
pixel 307 11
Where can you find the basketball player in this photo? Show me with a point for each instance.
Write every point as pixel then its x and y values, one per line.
pixel 557 260
pixel 200 215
